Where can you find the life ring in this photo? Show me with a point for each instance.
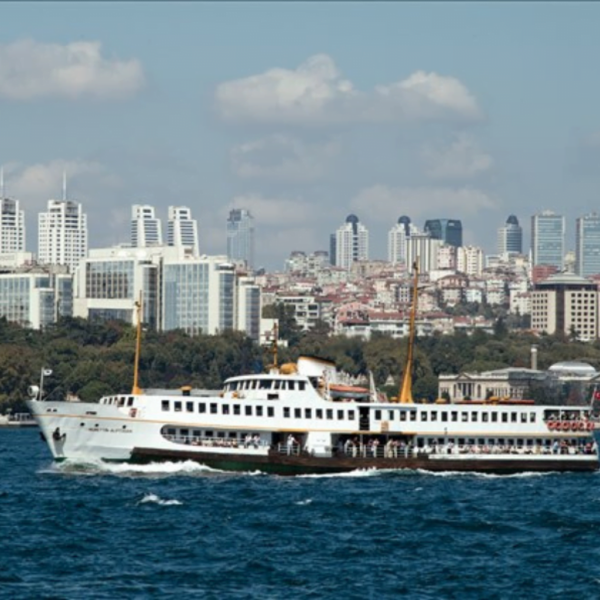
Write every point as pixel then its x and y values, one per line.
pixel 552 425
pixel 133 412
pixel 566 425
pixel 590 426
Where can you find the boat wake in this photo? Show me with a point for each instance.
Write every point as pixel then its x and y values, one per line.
pixel 162 469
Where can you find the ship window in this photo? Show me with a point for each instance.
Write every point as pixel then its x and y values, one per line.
pixel 481 442
pixel 390 415
pixel 297 413
pixel 484 417
pixel 474 416
pixel 121 401
pixel 378 415
pixel 329 413
pixel 130 402
pixel 189 406
pixel 403 415
pixel 423 415
pixel 265 384
pixel 197 433
pixel 532 417
pixel 286 413
pixel 319 413
pixel 350 415
pixel 270 411
pixel 225 409
pixel 208 434
pixel 523 417
pixel 165 405
pixel 302 385
pixel 213 408
pixel 248 411
pixel 272 396
pixel 177 405
pixel 308 413
pixel 413 415
pixel 464 417
pixel 513 417
pixel 454 415
pixel 259 411
pixel 434 415
pixel 505 417
pixel 184 432
pixel 170 431
pixel 233 435
pixel 340 415
pixel 444 415
pixel 221 434
pixel 236 409
pixel 202 407
pixel 494 417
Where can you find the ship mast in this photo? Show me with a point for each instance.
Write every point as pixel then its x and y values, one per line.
pixel 138 342
pixel 274 366
pixel 405 395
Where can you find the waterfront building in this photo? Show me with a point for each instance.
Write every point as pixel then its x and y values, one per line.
pixel 62 234
pixel 351 242
pixel 182 230
pixel 447 230
pixel 510 237
pixel 587 245
pixel 548 239
pixel 240 236
pixel 146 228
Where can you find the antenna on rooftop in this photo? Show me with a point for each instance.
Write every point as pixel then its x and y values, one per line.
pixel 64 186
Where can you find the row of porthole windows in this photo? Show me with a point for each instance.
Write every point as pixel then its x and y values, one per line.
pixel 456 416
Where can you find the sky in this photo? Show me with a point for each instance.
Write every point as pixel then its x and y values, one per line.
pixel 303 113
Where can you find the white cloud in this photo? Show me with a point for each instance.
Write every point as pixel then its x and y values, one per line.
pixel 30 69
pixel 461 159
pixel 386 204
pixel 315 92
pixel 43 181
pixel 282 158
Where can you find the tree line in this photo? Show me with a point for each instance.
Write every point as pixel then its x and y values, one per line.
pixel 91 359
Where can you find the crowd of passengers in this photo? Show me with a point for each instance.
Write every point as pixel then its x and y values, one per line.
pixel 249 441
pixel 393 448
pixel 568 416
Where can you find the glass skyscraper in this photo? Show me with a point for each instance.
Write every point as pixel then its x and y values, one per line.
pixel 240 236
pixel 587 240
pixel 447 230
pixel 548 239
pixel 510 237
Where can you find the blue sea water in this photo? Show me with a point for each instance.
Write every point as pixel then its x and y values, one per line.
pixel 183 531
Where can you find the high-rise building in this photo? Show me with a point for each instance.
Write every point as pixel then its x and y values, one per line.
pixel 351 242
pixel 146 229
pixel 182 230
pixel 12 226
pixel 510 237
pixel 548 239
pixel 240 236
pixel 587 242
pixel 423 248
pixel 447 230
pixel 62 234
pixel 397 239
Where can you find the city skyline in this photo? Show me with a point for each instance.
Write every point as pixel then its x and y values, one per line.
pixel 437 114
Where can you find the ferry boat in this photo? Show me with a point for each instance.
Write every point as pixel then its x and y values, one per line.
pixel 303 417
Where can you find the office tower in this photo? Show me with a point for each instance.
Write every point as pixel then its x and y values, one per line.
pixel 146 229
pixel 447 230
pixel 548 239
pixel 423 248
pixel 397 239
pixel 510 237
pixel 62 234
pixel 332 248
pixel 587 242
pixel 240 236
pixel 182 230
pixel 351 242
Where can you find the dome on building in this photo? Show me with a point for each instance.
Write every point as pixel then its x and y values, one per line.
pixel 573 366
pixel 404 220
pixel 351 219
pixel 512 220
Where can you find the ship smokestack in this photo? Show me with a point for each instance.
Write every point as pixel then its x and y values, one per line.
pixel 534 357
